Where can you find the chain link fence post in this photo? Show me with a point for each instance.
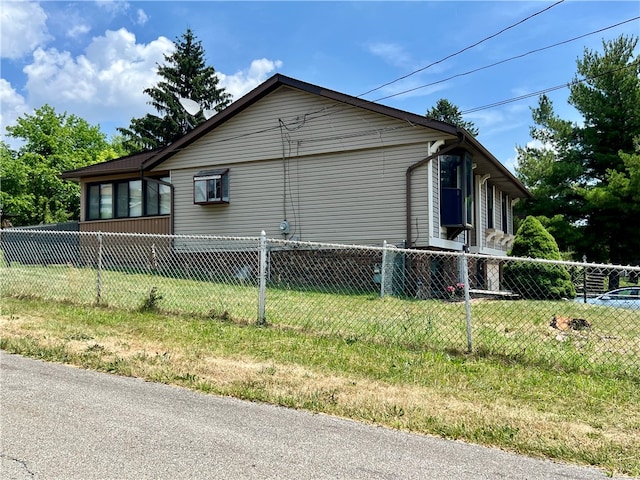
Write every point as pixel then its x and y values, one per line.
pixel 584 280
pixel 99 270
pixel 467 300
pixel 383 269
pixel 262 279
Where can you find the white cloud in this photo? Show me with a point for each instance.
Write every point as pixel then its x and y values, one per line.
pixel 416 84
pixel 245 80
pixel 512 162
pixel 104 84
pixel 392 54
pixel 113 6
pixel 142 17
pixel 22 28
pixel 78 30
pixel 12 106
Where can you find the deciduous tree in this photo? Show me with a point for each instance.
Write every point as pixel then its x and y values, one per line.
pixel 32 190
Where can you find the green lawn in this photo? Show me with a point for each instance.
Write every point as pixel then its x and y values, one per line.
pixel 518 330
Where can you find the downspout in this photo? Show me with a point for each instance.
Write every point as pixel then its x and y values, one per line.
pixel 461 139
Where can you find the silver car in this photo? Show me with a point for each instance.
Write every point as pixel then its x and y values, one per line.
pixel 626 297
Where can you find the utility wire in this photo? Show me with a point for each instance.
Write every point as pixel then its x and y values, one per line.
pixel 463 50
pixel 550 89
pixel 506 60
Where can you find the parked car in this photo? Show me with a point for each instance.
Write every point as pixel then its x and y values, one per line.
pixel 626 297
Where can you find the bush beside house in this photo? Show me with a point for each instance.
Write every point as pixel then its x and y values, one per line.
pixel 535 280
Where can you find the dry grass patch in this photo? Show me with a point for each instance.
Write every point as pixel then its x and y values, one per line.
pixel 572 418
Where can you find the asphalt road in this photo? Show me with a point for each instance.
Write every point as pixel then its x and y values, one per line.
pixel 60 422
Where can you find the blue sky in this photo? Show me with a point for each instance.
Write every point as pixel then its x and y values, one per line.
pixel 94 59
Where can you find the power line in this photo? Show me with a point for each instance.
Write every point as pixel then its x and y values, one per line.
pixel 506 60
pixel 463 50
pixel 547 90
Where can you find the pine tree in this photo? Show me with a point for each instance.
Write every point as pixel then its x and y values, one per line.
pixel 184 75
pixel 585 171
pixel 445 111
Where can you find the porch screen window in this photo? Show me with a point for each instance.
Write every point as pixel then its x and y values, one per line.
pixel 135 198
pixel 94 202
pixel 158 198
pixel 106 200
pixel 128 199
pixel 456 188
pixel 210 187
pixel 504 209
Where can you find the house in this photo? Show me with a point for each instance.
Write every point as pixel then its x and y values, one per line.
pixel 306 163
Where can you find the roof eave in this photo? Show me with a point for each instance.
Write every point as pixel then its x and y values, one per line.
pixel 504 170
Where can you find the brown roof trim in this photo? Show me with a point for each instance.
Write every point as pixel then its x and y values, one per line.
pixel 129 164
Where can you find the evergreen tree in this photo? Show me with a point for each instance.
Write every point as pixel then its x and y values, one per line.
pixel 578 168
pixel 184 75
pixel 539 281
pixel 446 111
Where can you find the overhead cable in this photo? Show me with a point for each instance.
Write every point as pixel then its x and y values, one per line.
pixel 547 90
pixel 506 60
pixel 463 50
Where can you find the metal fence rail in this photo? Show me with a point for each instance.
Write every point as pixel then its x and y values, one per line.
pixel 533 310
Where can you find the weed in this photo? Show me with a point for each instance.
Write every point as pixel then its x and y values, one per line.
pixel 79 336
pixel 150 304
pixel 219 314
pixel 270 370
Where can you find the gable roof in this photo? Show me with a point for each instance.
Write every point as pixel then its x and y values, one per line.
pixel 500 175
pixel 273 84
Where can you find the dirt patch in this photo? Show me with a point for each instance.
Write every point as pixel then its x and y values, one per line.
pixel 568 323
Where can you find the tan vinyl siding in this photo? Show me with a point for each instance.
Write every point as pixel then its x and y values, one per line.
pixel 345 174
pixel 339 198
pixel 293 123
pixel 419 206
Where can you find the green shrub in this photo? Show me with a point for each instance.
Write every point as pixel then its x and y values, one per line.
pixel 150 304
pixel 532 280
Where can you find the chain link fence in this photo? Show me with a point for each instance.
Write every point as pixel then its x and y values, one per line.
pixel 535 311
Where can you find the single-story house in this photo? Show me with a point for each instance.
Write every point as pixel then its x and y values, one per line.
pixel 306 163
